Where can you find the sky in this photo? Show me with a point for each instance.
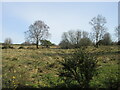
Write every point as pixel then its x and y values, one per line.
pixel 59 0
pixel 59 16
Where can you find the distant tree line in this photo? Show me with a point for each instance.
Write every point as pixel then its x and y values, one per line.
pixel 39 32
pixel 99 35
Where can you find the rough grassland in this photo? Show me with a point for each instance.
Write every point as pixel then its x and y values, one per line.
pixel 39 68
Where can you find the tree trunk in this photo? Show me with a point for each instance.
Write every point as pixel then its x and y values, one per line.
pixel 97 44
pixel 37 44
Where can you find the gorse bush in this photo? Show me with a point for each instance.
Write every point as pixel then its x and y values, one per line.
pixel 79 67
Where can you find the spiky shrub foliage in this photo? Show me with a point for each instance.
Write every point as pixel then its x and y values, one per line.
pixel 80 67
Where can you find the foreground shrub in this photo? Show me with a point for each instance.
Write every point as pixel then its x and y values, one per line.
pixel 78 68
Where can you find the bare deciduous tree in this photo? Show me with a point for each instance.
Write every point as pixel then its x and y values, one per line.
pixel 74 36
pixel 99 28
pixel 107 39
pixel 71 36
pixel 85 34
pixel 37 31
pixel 65 36
pixel 65 41
pixel 78 36
pixel 74 39
pixel 117 32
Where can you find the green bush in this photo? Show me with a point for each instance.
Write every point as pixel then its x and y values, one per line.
pixel 79 67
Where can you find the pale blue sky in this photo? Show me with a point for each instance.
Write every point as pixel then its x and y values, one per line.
pixel 60 16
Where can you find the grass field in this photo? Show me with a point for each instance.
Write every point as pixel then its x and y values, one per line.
pixel 39 68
